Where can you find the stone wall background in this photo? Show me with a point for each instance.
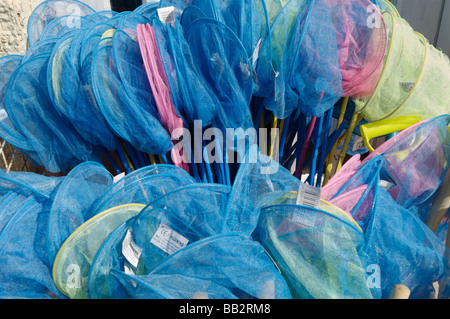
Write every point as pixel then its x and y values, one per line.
pixel 14 16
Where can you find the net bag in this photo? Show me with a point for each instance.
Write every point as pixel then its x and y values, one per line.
pixel 25 267
pixel 49 10
pixel 362 39
pixel 54 139
pixel 73 261
pixel 145 190
pixel 137 176
pixel 314 73
pixel 318 253
pixel 72 202
pixel 403 68
pixel 221 59
pixel 400 248
pixel 134 123
pixel 72 92
pixel 146 235
pixel 227 266
pixel 8 130
pixel 63 26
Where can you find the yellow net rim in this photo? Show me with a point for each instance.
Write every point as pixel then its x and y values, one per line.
pixel 77 231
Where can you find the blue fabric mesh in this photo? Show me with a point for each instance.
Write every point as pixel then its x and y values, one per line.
pixel 72 202
pixel 49 10
pixel 73 95
pixel 315 74
pixel 190 14
pixel 129 20
pixel 259 181
pixel 134 123
pixel 193 97
pixel 397 242
pixel 145 190
pixel 8 130
pixel 25 266
pixel 148 10
pixel 53 138
pixel 62 25
pixel 214 275
pixel 237 14
pixel 318 253
pixel 222 60
pixel 143 228
pixel 98 17
pixel 43 46
pixel 281 51
pixel 136 177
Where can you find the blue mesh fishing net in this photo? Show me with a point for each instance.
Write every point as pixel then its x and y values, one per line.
pixel 216 274
pixel 72 93
pixel 400 247
pixel 73 261
pixel 259 181
pixel 318 253
pixel 8 130
pixel 146 233
pixel 223 62
pixel 114 194
pixel 245 18
pixel 142 188
pixel 28 105
pixel 128 117
pixel 49 10
pixel 314 74
pixel 62 26
pixel 73 200
pixel 98 17
pixel 25 266
pixel 193 97
pixel 43 46
pixel 148 10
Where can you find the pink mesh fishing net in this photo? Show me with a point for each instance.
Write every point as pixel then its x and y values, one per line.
pixel 362 40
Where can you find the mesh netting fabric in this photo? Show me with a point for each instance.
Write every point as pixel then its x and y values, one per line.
pixel 72 202
pixel 78 251
pixel 215 276
pixel 49 10
pixel 318 253
pixel 403 65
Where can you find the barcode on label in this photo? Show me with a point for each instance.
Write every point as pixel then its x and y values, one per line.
pixel 308 195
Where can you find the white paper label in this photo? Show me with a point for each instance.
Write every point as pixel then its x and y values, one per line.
pixel 308 195
pixel 130 271
pixel 168 240
pixel 118 177
pixel 168 14
pixel 256 52
pixel 130 250
pixel 3 115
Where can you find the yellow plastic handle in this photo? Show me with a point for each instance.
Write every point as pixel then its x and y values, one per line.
pixel 385 127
